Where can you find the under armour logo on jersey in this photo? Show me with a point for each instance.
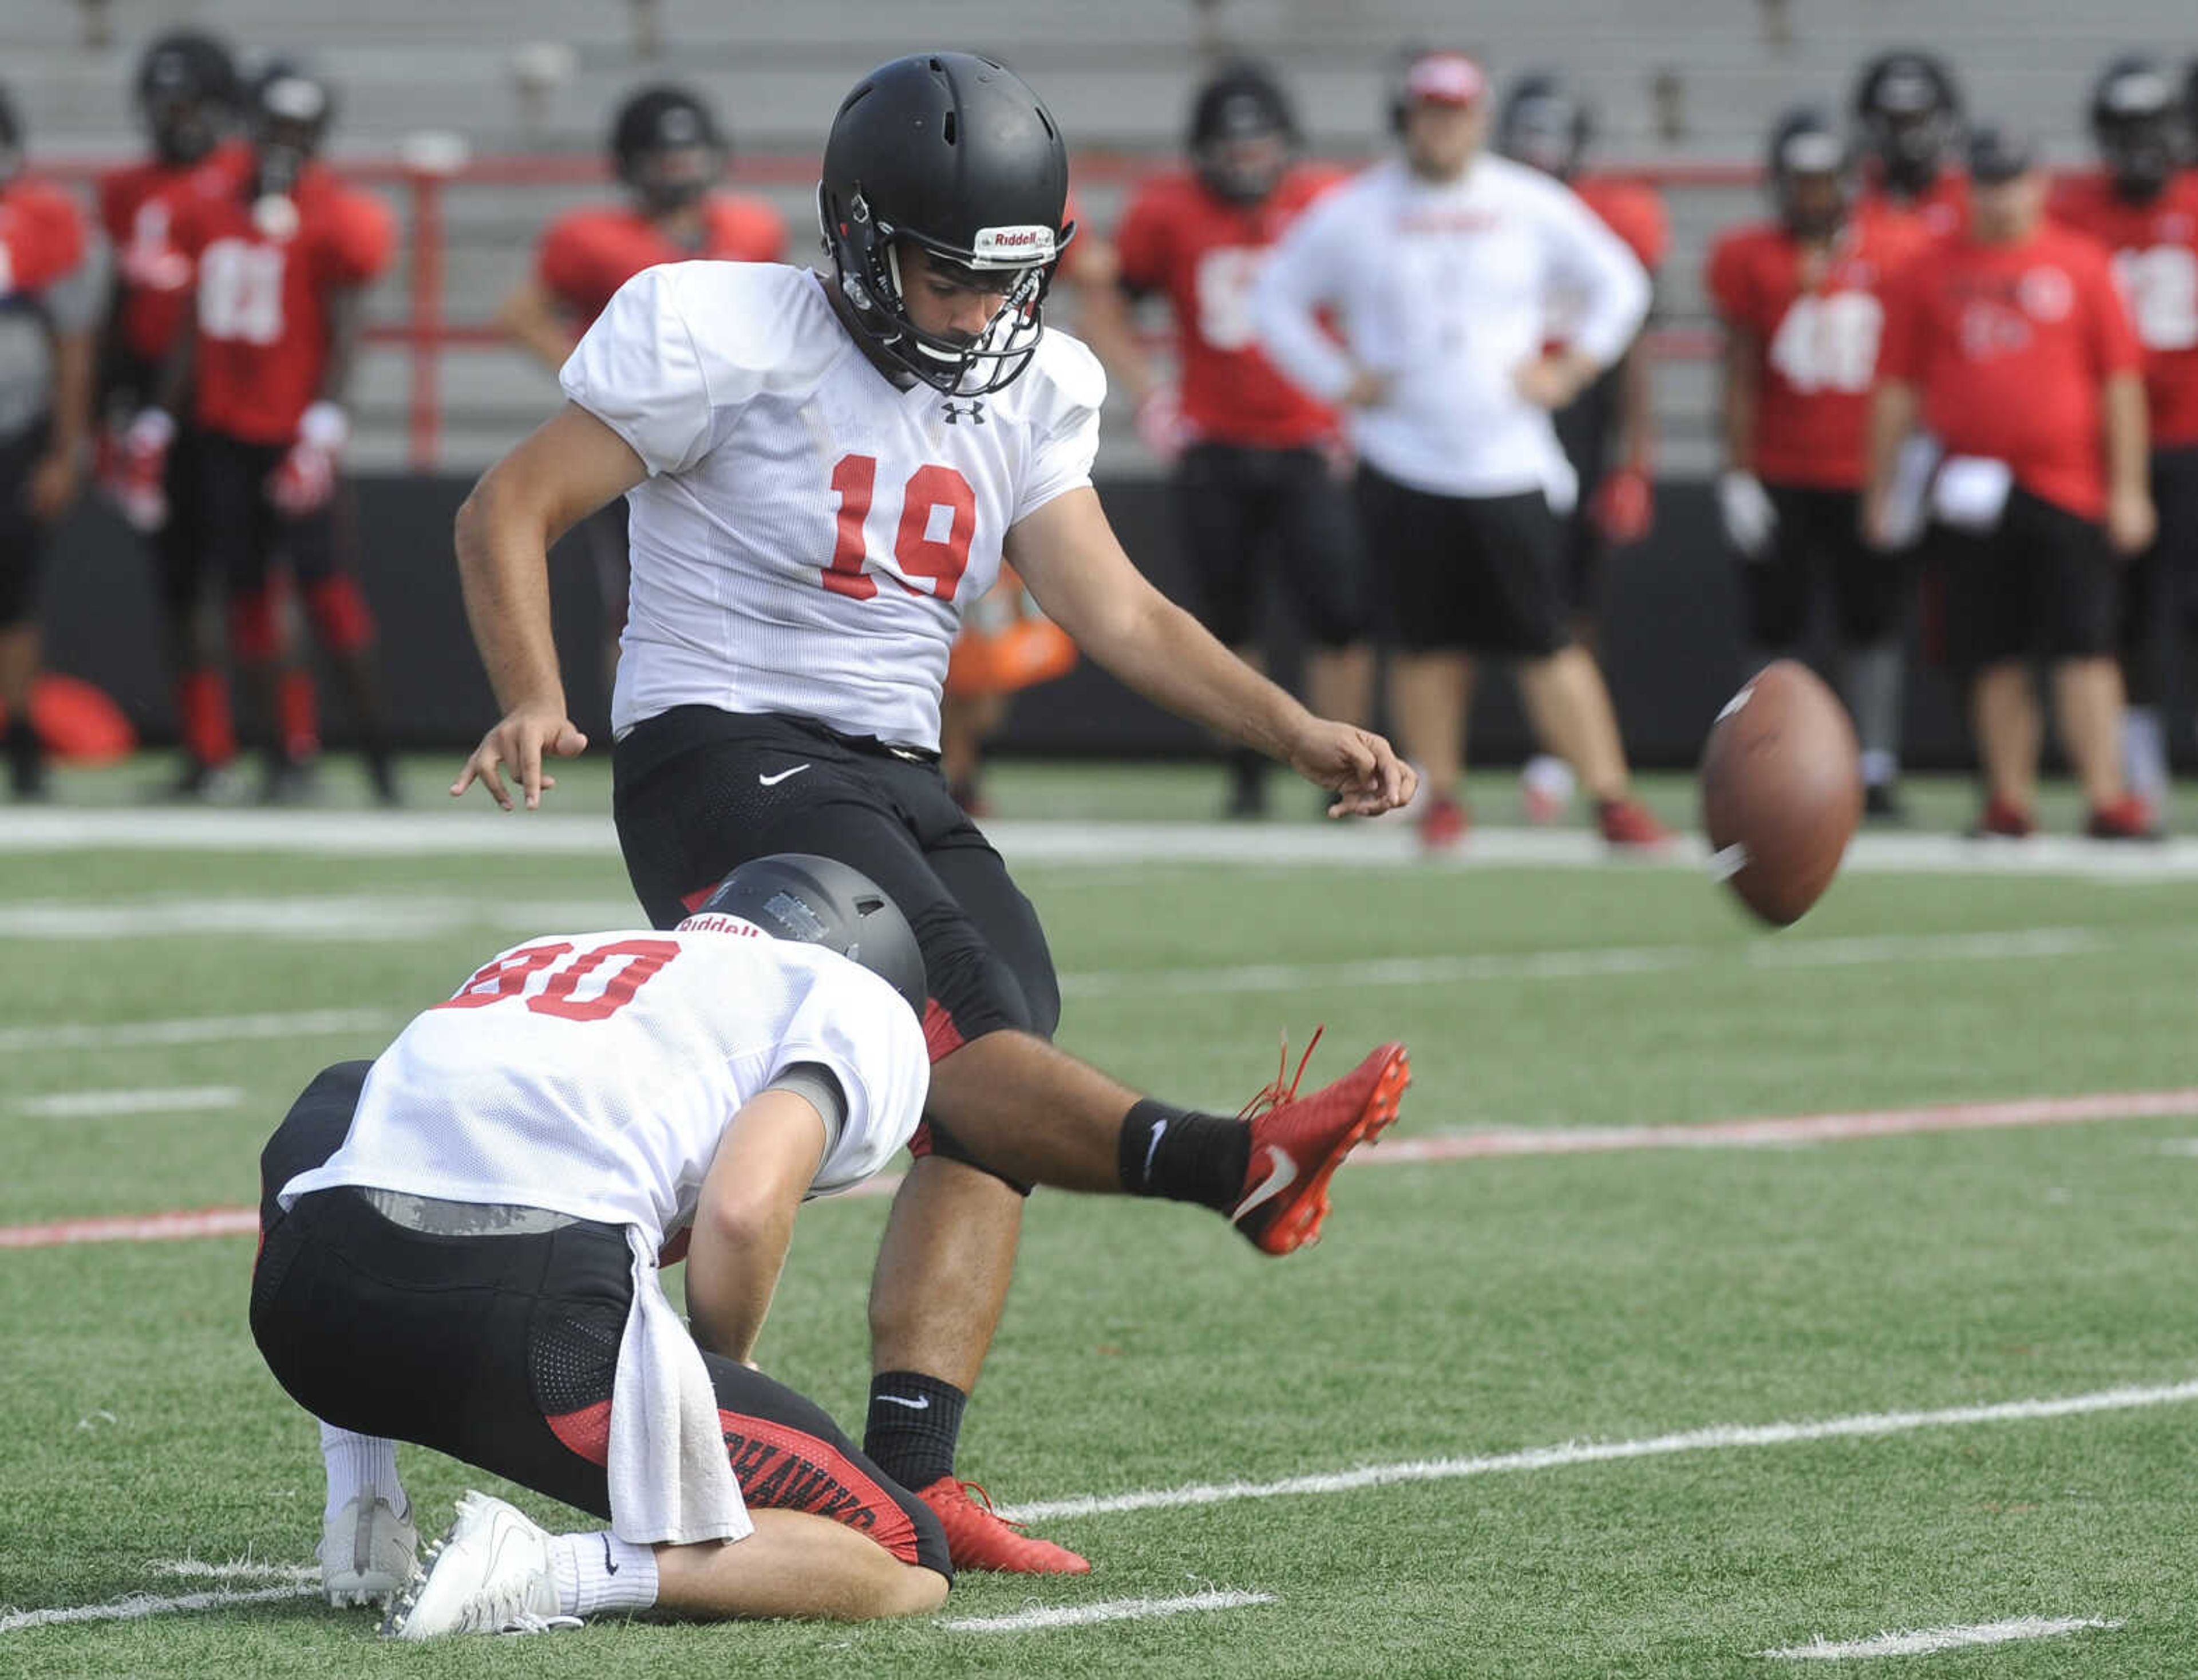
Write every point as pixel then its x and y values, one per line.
pixel 955 411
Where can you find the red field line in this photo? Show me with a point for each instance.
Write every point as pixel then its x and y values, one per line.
pixel 1774 1131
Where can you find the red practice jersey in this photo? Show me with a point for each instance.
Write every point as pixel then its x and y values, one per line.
pixel 137 207
pixel 2155 256
pixel 42 236
pixel 587 254
pixel 1205 255
pixel 1943 210
pixel 1814 319
pixel 2010 346
pixel 1634 211
pixel 263 299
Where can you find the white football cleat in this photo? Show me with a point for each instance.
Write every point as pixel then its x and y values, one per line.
pixel 366 1551
pixel 489 1574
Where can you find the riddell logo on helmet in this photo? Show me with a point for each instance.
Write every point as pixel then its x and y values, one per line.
pixel 1013 247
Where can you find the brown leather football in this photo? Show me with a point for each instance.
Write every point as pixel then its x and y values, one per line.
pixel 1781 791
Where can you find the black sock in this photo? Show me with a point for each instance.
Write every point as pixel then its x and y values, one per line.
pixel 915 1422
pixel 1184 1155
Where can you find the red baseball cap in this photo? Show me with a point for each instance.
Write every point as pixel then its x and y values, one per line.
pixel 1443 79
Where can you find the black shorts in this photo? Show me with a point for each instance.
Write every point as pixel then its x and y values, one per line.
pixel 1242 509
pixel 244 532
pixel 22 537
pixel 1479 573
pixel 692 801
pixel 1819 538
pixel 2160 587
pixel 502 1350
pixel 2042 583
pixel 1587 430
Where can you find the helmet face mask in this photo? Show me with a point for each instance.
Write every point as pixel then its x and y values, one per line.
pixel 1810 173
pixel 290 114
pixel 1243 135
pixel 1542 126
pixel 665 146
pixel 1911 116
pixel 187 95
pixel 950 153
pixel 2134 122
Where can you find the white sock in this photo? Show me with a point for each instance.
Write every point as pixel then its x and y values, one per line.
pixel 359 1464
pixel 600 1572
pixel 2144 752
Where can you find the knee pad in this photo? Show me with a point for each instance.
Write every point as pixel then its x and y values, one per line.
pixel 340 617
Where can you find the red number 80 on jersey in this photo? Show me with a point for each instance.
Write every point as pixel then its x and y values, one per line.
pixel 508 977
pixel 925 545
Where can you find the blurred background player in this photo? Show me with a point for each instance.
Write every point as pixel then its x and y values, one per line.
pixel 2010 344
pixel 187 95
pixel 1908 117
pixel 669 151
pixel 282 258
pixel 1007 644
pixel 2142 204
pixel 1608 432
pixel 1256 461
pixel 1798 299
pixel 49 298
pixel 1441 266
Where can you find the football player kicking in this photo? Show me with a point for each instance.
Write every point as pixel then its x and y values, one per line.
pixel 459 1241
pixel 823 472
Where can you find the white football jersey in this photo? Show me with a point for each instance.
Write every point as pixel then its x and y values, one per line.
pixel 810 534
pixel 593 1074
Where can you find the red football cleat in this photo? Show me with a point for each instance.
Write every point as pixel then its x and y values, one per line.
pixel 1443 824
pixel 1627 824
pixel 1298 1142
pixel 2003 819
pixel 979 1538
pixel 2129 817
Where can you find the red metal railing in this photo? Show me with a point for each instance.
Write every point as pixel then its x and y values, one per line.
pixel 426 333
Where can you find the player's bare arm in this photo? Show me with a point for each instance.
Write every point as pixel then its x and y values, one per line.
pixel 1069 555
pixel 2132 520
pixel 529 318
pixel 744 1221
pixel 569 466
pixel 54 480
pixel 1892 412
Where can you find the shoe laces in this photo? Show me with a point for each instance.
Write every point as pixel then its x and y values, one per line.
pixel 1276 1093
pixel 983 1501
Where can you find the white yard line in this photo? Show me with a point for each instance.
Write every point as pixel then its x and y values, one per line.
pixel 1111 1610
pixel 459 832
pixel 124 1035
pixel 98 1105
pixel 138 1605
pixel 1925 1641
pixel 241 1569
pixel 1721 1438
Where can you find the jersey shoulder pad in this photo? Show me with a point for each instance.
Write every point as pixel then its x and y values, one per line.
pixel 1066 373
pixel 756 326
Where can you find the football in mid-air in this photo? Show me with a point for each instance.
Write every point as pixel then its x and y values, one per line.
pixel 1781 791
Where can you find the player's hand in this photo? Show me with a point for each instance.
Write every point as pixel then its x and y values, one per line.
pixel 1161 425
pixel 1749 516
pixel 1552 381
pixel 528 734
pixel 1368 389
pixel 1360 768
pixel 1626 506
pixel 52 486
pixel 141 469
pixel 307 475
pixel 2132 522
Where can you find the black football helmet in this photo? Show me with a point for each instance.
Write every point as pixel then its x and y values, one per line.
pixel 1910 116
pixel 820 901
pixel 1243 134
pixel 1545 124
pixel 1807 148
pixel 954 153
pixel 187 94
pixel 2137 126
pixel 666 147
pixel 288 117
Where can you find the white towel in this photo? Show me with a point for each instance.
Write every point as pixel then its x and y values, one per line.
pixel 670 1479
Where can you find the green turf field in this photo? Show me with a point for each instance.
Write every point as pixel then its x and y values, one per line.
pixel 1468 1309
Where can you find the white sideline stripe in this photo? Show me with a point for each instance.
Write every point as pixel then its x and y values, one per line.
pixel 364 916
pixel 90 1105
pixel 242 1569
pixel 138 1605
pixel 1720 1438
pixel 1113 1610
pixel 459 832
pixel 90 1035
pixel 1926 1640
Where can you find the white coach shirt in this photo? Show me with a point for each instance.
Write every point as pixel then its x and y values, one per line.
pixel 593 1074
pixel 810 534
pixel 1447 288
